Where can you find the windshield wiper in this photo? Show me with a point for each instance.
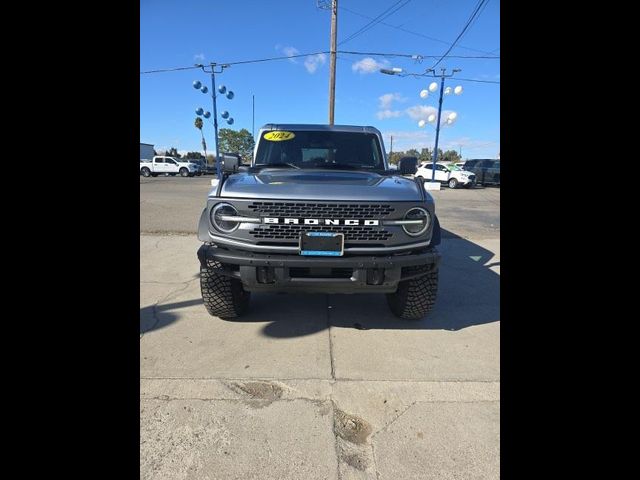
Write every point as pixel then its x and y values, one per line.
pixel 282 164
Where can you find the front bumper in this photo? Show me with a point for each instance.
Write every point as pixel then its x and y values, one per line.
pixel 348 274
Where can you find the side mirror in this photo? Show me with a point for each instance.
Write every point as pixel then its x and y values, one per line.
pixel 230 164
pixel 408 165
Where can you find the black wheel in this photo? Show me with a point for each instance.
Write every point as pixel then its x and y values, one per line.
pixel 146 172
pixel 223 296
pixel 414 298
pixel 453 183
pixel 184 172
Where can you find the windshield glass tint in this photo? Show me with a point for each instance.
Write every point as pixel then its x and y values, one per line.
pixel 322 150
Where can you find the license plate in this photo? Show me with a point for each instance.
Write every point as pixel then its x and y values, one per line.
pixel 327 244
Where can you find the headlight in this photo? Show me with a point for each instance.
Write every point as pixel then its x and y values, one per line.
pixel 220 210
pixel 422 220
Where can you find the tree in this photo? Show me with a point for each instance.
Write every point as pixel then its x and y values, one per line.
pixel 412 153
pixel 232 141
pixel 395 157
pixel 451 156
pixel 425 155
pixel 172 152
pixel 198 125
pixel 194 155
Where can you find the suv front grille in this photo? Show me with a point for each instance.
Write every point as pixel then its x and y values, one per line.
pixel 321 210
pixel 292 232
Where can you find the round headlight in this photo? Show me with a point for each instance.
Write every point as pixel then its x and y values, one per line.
pixel 220 210
pixel 415 229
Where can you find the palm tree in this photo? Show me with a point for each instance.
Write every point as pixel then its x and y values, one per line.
pixel 198 125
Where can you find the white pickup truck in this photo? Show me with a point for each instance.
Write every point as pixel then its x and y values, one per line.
pixel 162 165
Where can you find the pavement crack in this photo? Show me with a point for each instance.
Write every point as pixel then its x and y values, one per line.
pixel 331 358
pixel 154 307
pixel 396 418
pixel 375 461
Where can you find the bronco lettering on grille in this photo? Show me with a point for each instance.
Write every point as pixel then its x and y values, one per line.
pixel 319 221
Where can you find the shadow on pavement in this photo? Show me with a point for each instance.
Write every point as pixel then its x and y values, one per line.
pixel 468 295
pixel 163 315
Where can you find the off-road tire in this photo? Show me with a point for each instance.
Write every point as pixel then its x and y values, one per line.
pixel 415 297
pixel 222 295
pixel 453 183
pixel 184 172
pixel 146 172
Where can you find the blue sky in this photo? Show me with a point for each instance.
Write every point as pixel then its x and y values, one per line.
pixel 180 33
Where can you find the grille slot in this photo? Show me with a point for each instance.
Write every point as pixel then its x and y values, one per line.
pixel 321 210
pixel 292 232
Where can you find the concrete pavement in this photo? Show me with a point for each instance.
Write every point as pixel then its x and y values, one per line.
pixel 320 386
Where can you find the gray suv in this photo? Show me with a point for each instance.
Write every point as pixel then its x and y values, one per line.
pixel 320 211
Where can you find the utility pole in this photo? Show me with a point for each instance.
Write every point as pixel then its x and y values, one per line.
pixel 253 116
pixel 332 60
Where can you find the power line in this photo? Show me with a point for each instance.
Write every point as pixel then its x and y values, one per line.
pixel 168 70
pixel 417 56
pixel 414 33
pixel 473 16
pixel 366 25
pixel 387 13
pixel 479 81
pixel 379 54
pixel 275 58
pixel 239 62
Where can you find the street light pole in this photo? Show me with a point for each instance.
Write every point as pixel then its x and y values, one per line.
pixel 423 94
pixel 435 151
pixel 215 108
pixel 215 120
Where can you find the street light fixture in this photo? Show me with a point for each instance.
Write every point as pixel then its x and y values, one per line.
pixel 200 112
pixel 424 94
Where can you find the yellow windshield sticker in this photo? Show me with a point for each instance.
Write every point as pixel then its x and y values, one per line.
pixel 278 136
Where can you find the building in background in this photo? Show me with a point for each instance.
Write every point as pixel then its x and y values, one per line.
pixel 146 151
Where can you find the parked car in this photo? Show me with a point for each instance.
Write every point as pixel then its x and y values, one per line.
pixel 487 170
pixel 453 177
pixel 204 166
pixel 458 165
pixel 169 166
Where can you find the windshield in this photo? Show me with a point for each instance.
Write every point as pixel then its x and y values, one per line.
pixel 309 149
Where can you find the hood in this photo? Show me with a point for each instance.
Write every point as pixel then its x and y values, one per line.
pixel 311 184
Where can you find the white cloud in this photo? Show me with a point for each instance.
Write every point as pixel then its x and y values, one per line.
pixel 290 52
pixel 406 140
pixel 422 112
pixel 312 62
pixel 388 98
pixel 383 114
pixel 199 57
pixel 369 65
